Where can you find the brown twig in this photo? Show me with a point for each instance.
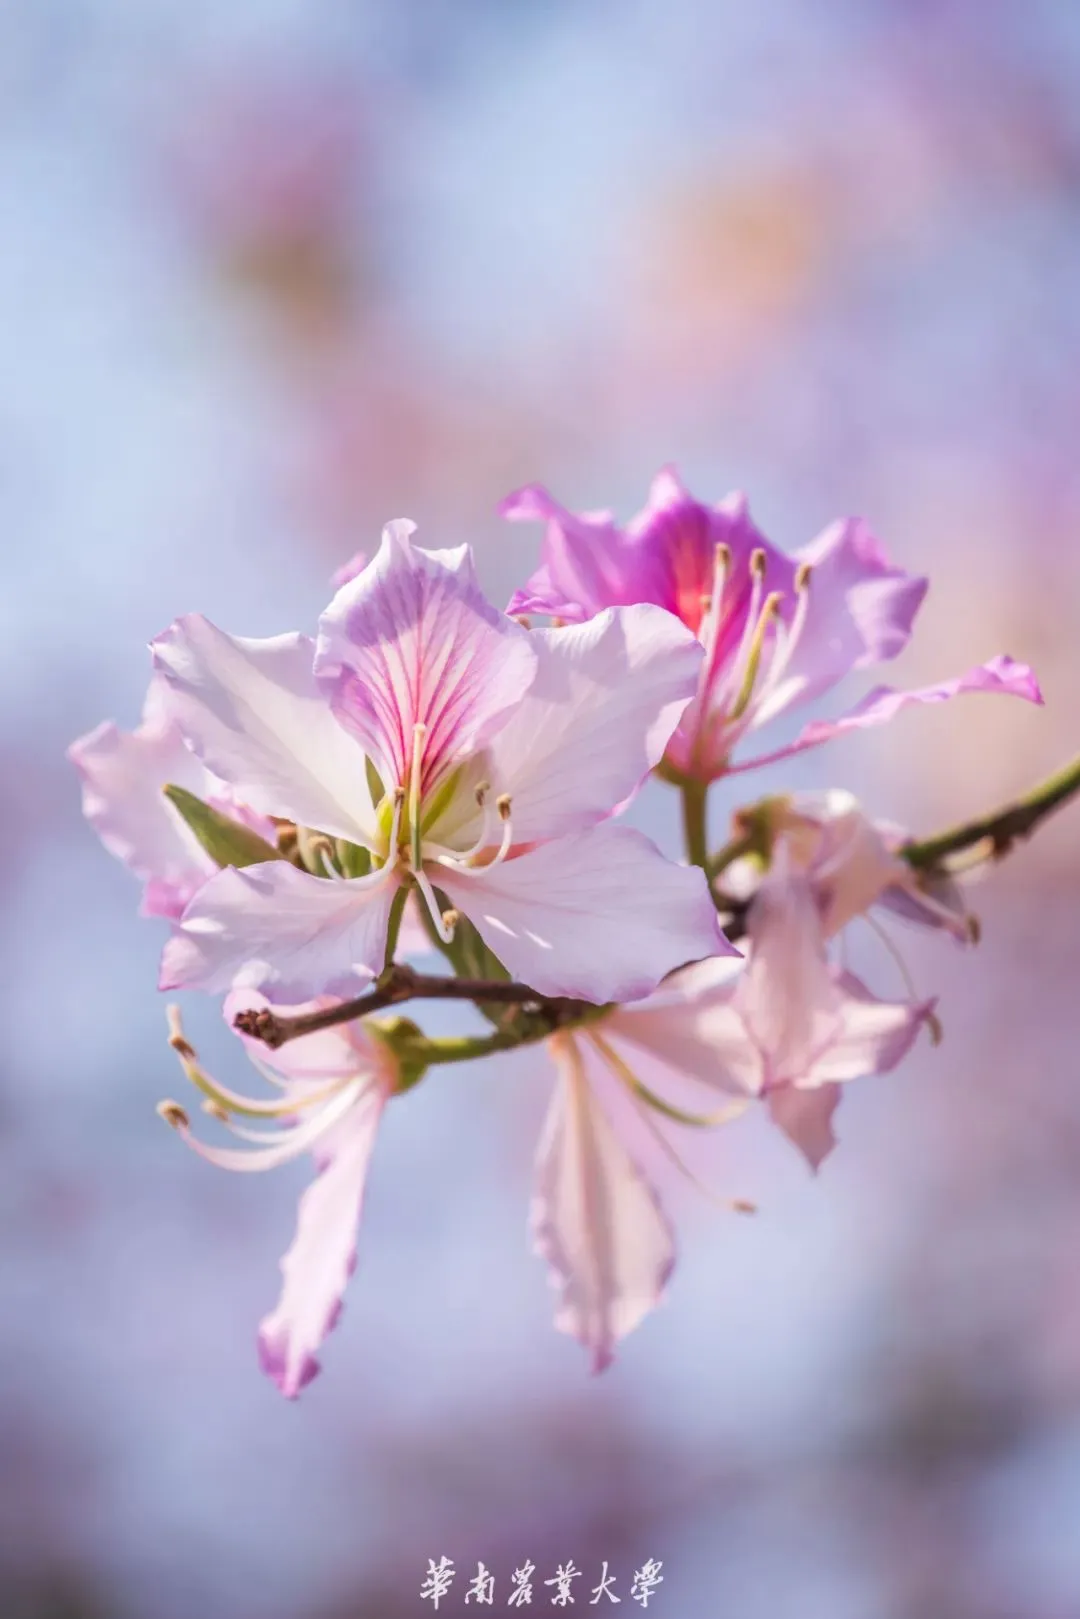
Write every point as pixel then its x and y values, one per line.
pixel 399 983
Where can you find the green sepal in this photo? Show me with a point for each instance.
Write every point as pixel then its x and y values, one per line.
pixel 406 1041
pixel 227 842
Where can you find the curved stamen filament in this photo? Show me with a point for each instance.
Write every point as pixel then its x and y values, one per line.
pixel 753 656
pixel 227 1101
pixel 470 861
pixel 782 660
pixel 634 1090
pixel 279 1149
pixel 444 929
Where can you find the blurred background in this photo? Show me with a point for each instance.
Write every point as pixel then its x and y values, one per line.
pixel 276 271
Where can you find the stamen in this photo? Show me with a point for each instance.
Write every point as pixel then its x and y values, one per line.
pixel 759 562
pixel 173 1114
pixel 909 982
pixel 419 738
pixel 450 920
pixel 937 1032
pixel 791 637
pixel 424 885
pixel 738 1205
pixel 753 657
pixel 470 859
pixel 221 1100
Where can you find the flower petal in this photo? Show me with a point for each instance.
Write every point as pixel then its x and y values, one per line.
pixel 787 995
pixel 860 611
pixel 691 1026
pixel 805 1116
pixel 585 566
pixel 1001 674
pixel 872 1035
pixel 595 1219
pixel 123 774
pixel 254 713
pixel 286 922
pixel 322 1257
pixel 606 698
pixel 412 640
pixel 600 915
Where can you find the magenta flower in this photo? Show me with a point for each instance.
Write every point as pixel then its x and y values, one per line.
pixel 123 774
pixel 497 756
pixel 328 1091
pixel 777 631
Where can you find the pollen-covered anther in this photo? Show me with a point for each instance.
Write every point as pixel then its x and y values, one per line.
pixel 803 575
pixel 173 1114
pixel 450 920
pixel 502 804
pixel 759 562
pixel 216 1111
pixel 177 1038
pixel 481 793
pixel 934 1024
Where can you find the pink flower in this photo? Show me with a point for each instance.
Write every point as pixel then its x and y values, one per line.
pixel 329 1091
pixel 777 631
pixel 471 758
pixel 123 775
pixel 852 864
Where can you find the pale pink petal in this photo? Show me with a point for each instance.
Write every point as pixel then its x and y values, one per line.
pixel 123 774
pixel 872 1035
pixel 805 1116
pixel 412 640
pixel 600 915
pixel 323 1255
pixel 787 996
pixel 254 714
pixel 849 860
pixel 349 570
pixel 595 1219
pixel 692 1025
pixel 274 917
pixel 597 717
pixel 334 1053
pixel 1002 674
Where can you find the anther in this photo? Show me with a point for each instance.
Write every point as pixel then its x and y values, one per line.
pixel 758 562
pixel 502 804
pixel 802 575
pixel 937 1032
pixel 216 1111
pixel 177 1039
pixel 173 1114
pixel 450 920
pixel 482 792
pixel 974 928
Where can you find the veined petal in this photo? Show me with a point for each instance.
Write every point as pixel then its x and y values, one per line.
pixel 872 1035
pixel 253 712
pixel 606 697
pixel 1002 674
pixel 805 1117
pixel 302 928
pixel 600 915
pixel 595 1219
pixel 322 1257
pixel 413 641
pixel 123 774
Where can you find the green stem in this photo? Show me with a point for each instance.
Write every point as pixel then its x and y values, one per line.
pixel 393 927
pixel 1001 828
pixel 695 830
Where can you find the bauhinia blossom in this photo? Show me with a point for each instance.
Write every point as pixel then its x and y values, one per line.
pixel 851 863
pixel 777 630
pixel 327 1094
pixel 471 759
pixel 123 777
pixel 783 1028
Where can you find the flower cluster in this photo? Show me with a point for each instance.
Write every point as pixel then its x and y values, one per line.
pixel 432 774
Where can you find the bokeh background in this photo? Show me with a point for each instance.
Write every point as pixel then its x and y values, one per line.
pixel 275 271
